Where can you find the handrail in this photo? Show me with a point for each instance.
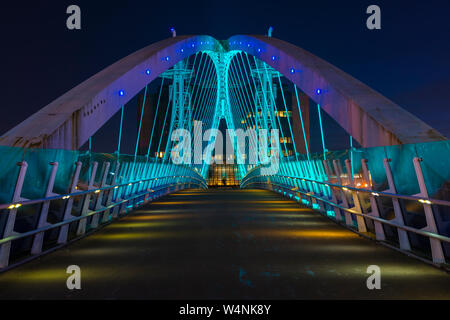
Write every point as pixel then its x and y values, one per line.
pixel 74 219
pixel 406 228
pixel 348 187
pixel 94 190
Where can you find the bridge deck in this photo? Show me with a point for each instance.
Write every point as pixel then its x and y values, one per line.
pixel 224 244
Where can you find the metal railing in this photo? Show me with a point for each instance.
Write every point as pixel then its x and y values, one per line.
pixel 86 206
pixel 357 204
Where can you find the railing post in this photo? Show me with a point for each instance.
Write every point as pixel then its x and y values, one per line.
pixel 402 234
pixel 111 195
pixel 98 200
pixel 86 201
pixel 357 204
pixel 63 232
pixel 338 170
pixel 39 237
pixel 379 231
pixel 11 220
pixel 337 212
pixel 436 246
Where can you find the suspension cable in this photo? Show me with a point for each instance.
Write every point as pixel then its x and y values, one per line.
pixel 301 120
pixel 154 119
pixel 321 133
pixel 140 122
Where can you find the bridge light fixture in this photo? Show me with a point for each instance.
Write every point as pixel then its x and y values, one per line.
pixel 375 194
pixel 66 197
pixel 318 91
pixel 424 201
pixel 292 70
pixel 147 72
pixel 97 191
pixel 121 93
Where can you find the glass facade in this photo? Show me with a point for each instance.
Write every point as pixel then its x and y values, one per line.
pixel 221 175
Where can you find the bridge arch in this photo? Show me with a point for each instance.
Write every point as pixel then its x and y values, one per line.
pixel 372 119
pixel 69 121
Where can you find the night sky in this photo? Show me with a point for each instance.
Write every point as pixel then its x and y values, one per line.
pixel 408 60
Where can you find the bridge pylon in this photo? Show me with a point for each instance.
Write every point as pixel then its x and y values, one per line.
pixel 222 62
pixel 180 96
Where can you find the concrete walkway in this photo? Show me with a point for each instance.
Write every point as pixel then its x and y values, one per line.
pixel 218 244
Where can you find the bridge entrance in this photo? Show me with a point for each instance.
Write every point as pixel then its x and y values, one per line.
pixel 223 175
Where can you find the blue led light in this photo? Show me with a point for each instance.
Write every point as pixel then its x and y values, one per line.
pixel 167 58
pixel 292 70
pixel 147 72
pixel 318 91
pixel 273 58
pixel 121 93
pixel 182 50
pixel 192 45
pixel 259 49
pixel 249 45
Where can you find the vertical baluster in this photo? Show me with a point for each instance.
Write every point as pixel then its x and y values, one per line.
pixel 379 231
pixel 436 246
pixel 402 234
pixel 338 170
pixel 11 220
pixel 337 212
pixel 111 197
pixel 356 201
pixel 98 201
pixel 63 232
pixel 38 240
pixel 86 201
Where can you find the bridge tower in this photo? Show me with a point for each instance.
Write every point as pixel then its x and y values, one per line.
pixel 180 96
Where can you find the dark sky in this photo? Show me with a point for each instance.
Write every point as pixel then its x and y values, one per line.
pixel 408 60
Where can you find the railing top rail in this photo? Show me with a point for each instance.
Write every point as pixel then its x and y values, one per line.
pixel 373 192
pixel 93 190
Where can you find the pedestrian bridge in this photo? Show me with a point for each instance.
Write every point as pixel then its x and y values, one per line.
pixel 299 221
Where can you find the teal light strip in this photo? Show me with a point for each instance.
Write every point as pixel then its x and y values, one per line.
pixel 321 132
pixel 120 131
